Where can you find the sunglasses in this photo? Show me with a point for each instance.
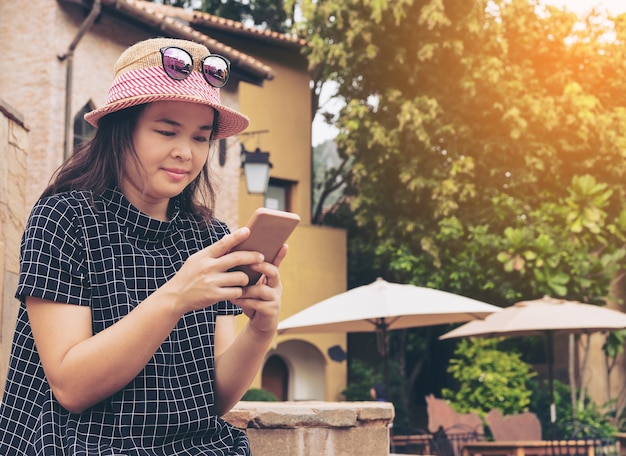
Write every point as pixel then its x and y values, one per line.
pixel 178 64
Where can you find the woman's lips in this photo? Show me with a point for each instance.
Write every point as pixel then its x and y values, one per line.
pixel 175 174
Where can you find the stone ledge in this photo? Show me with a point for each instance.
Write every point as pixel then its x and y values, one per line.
pixel 314 428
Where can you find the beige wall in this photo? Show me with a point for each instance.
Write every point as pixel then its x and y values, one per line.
pixel 14 151
pixel 41 30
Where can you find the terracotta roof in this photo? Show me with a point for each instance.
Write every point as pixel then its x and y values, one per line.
pixel 175 21
pixel 211 21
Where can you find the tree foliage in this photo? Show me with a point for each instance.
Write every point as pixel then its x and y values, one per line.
pixel 269 14
pixel 487 142
pixel 489 378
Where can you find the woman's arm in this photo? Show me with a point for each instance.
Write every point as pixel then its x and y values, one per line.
pixel 83 369
pixel 239 358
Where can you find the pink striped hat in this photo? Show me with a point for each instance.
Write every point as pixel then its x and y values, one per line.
pixel 140 78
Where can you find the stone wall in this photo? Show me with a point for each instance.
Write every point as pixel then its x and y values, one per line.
pixel 315 428
pixel 13 212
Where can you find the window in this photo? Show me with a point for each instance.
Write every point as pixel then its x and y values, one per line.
pixel 278 195
pixel 83 130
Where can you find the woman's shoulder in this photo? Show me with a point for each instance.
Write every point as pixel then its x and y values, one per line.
pixel 62 208
pixel 68 199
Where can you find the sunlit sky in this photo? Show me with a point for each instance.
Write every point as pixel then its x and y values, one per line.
pixel 322 132
pixel 582 6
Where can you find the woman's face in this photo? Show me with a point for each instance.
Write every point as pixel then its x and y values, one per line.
pixel 172 144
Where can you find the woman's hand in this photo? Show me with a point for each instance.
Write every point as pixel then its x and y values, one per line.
pixel 205 278
pixel 239 358
pixel 261 302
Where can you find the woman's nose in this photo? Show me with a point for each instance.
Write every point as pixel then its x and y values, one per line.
pixel 182 151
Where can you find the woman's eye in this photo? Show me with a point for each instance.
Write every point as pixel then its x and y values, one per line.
pixel 202 138
pixel 166 133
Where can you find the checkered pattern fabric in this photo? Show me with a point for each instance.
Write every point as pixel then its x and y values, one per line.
pixel 100 251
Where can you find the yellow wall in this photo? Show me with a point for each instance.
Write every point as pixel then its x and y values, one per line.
pixel 282 107
pixel 316 266
pixel 315 269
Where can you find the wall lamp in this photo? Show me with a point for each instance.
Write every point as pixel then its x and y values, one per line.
pixel 256 169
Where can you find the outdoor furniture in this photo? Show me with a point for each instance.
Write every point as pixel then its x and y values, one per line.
pixel 451 441
pixel 440 443
pixel 580 440
pixel 442 415
pixel 582 447
pixel 419 442
pixel 601 445
pixel 450 429
pixel 621 440
pixel 521 426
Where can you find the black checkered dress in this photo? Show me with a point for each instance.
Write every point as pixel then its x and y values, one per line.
pixel 107 255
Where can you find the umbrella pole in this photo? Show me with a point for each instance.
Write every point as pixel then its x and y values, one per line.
pixel 549 354
pixel 386 363
pixel 383 349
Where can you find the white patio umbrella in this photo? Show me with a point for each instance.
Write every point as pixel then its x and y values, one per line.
pixel 382 306
pixel 545 317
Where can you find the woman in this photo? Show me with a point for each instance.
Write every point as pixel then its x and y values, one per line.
pixel 126 341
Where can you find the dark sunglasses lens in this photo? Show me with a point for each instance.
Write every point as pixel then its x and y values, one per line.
pixel 177 63
pixel 215 71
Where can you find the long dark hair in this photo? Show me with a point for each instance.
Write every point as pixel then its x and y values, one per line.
pixel 98 164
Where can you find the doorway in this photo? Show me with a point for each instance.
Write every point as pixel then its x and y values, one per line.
pixel 275 377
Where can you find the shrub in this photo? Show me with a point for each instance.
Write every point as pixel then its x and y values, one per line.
pixel 362 378
pixel 259 395
pixel 589 417
pixel 488 378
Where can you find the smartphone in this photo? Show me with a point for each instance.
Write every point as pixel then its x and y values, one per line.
pixel 269 229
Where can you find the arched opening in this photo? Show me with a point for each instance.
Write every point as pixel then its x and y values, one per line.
pixel 275 377
pixel 305 370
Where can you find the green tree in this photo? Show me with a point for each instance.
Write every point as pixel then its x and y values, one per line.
pixel 267 14
pixel 487 141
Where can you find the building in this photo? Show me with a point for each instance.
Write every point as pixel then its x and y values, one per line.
pixel 58 65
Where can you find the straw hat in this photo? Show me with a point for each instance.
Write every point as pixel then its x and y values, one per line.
pixel 140 78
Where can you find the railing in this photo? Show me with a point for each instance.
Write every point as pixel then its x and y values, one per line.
pixel 448 442
pixel 582 447
pixel 472 443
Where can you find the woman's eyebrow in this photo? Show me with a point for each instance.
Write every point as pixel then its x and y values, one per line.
pixel 167 120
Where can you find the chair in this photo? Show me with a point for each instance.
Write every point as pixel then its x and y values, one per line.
pixel 441 445
pixel 418 442
pixel 521 426
pixel 461 433
pixel 442 415
pixel 453 429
